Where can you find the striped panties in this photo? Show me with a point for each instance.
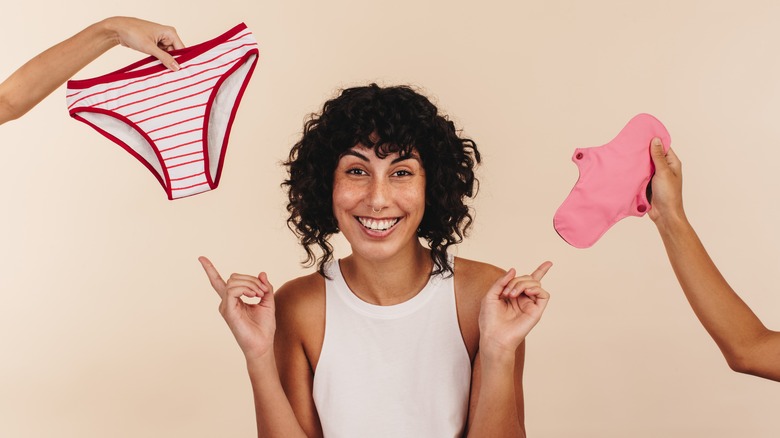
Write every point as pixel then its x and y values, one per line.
pixel 177 124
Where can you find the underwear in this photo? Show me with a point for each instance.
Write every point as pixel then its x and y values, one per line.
pixel 176 124
pixel 613 183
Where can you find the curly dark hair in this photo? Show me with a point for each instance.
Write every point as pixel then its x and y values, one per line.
pixel 389 120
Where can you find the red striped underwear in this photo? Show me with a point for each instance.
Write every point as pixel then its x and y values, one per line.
pixel 176 124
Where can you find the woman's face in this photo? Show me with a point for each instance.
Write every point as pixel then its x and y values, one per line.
pixel 379 203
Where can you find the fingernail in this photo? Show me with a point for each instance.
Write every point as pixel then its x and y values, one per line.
pixel 657 142
pixel 175 66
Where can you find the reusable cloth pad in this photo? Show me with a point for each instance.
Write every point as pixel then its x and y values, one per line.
pixel 612 183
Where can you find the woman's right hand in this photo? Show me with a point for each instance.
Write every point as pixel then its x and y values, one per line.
pixel 253 325
pixel 146 37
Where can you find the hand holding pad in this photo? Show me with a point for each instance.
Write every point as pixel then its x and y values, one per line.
pixel 612 184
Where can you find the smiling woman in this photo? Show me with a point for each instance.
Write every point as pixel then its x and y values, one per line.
pixel 382 121
pixel 398 338
pixel 378 203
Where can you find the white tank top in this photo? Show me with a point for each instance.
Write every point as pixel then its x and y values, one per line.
pixel 392 371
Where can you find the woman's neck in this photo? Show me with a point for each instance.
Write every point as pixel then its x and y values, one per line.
pixel 388 282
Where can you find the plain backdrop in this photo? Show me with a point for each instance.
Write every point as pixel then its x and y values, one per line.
pixel 109 328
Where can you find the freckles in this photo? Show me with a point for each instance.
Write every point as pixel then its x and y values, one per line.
pixel 345 195
pixel 415 190
pixel 414 196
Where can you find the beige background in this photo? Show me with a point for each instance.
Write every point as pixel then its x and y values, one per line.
pixel 109 328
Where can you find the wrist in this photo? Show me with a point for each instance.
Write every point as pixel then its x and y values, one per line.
pixel 261 361
pixel 491 352
pixel 671 222
pixel 108 30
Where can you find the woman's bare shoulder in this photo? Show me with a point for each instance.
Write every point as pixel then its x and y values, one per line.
pixel 474 278
pixel 303 286
pixel 302 299
pixel 472 281
pixel 300 316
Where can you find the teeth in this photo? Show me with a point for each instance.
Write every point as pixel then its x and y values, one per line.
pixel 377 224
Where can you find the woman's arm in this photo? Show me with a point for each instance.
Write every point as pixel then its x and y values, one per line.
pixel 508 312
pixel 254 327
pixel 43 74
pixel 300 315
pixel 747 345
pixel 497 407
pixel 274 414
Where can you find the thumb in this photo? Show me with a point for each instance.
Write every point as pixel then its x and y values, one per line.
pixel 500 284
pixel 266 287
pixel 658 154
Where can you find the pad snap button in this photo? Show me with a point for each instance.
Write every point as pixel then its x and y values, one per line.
pixel 578 156
pixel 641 208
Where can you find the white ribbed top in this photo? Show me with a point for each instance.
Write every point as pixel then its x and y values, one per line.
pixel 392 371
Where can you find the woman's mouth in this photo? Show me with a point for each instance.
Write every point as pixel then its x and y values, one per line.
pixel 377 224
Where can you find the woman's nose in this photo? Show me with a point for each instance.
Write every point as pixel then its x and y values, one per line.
pixel 378 196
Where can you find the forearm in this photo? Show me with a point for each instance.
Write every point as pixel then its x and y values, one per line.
pixel 730 322
pixel 44 73
pixel 496 413
pixel 274 414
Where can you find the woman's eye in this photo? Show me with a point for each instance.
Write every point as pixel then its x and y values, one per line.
pixel 403 173
pixel 356 171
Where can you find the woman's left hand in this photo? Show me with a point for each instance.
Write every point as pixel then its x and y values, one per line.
pixel 511 308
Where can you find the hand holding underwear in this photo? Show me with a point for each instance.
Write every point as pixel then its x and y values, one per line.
pixel 667 200
pixel 44 73
pixel 252 324
pixel 147 37
pixel 511 308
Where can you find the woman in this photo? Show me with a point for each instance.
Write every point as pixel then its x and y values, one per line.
pixel 398 338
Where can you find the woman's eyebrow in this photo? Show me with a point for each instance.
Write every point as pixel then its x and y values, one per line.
pixel 406 157
pixel 396 160
pixel 356 154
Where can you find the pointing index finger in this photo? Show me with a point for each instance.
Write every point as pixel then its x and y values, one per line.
pixel 540 272
pixel 214 278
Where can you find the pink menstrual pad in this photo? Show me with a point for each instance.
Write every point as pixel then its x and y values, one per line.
pixel 612 184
